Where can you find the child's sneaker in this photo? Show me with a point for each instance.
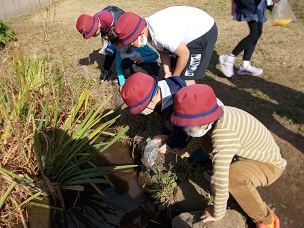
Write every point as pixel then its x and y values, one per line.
pixel 115 82
pixel 104 75
pixel 274 224
pixel 250 70
pixel 227 65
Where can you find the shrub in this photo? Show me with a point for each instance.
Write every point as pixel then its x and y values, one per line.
pixel 6 34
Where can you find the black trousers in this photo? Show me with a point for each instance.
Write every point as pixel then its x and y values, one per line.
pixel 249 43
pixel 201 50
pixel 108 62
pixel 129 67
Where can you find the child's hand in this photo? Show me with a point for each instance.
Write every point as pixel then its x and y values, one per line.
pixel 138 59
pixel 161 138
pixel 168 75
pixel 164 149
pixel 176 151
pixel 208 215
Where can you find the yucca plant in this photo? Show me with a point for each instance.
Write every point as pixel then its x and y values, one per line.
pixel 55 147
pixel 68 152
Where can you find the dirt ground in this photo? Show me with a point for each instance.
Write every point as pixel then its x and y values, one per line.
pixel 276 98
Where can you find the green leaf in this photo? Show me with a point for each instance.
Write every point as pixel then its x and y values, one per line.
pixel 85 181
pixel 30 199
pixel 37 148
pixel 7 193
pixel 46 206
pixel 13 175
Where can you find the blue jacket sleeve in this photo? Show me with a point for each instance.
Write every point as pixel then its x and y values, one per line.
pixel 148 54
pixel 118 63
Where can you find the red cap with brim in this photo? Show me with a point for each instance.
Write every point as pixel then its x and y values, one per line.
pixel 138 91
pixel 105 19
pixel 87 25
pixel 128 27
pixel 195 105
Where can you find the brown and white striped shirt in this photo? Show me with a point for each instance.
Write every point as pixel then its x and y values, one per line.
pixel 236 134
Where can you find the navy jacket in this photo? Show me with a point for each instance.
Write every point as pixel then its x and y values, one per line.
pixel 247 7
pixel 169 87
pixel 117 12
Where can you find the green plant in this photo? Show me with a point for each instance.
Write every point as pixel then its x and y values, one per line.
pixel 48 146
pixel 6 34
pixel 162 185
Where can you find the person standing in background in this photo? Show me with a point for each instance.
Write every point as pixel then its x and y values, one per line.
pixel 254 13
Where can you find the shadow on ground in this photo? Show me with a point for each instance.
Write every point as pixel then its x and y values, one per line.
pixel 263 99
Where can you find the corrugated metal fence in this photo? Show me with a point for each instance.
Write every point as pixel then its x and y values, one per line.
pixel 13 8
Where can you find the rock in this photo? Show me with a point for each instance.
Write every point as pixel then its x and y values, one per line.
pixel 232 219
pixel 192 195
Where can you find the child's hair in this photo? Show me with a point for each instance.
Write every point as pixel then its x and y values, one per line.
pixel 112 36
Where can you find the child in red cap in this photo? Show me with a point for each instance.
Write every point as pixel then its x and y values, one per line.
pixel 130 60
pixel 244 153
pixel 142 93
pixel 101 23
pixel 187 32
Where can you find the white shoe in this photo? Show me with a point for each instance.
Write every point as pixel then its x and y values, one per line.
pixel 227 65
pixel 250 70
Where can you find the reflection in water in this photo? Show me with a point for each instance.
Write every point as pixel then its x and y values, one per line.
pixel 118 209
pixel 124 206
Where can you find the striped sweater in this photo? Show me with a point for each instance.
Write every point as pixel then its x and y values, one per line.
pixel 236 134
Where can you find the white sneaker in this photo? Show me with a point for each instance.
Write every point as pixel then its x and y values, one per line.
pixel 250 70
pixel 227 65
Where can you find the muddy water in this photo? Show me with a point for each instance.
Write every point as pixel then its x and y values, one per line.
pixel 124 206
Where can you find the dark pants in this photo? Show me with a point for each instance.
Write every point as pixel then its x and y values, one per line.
pixel 108 62
pixel 249 43
pixel 201 50
pixel 129 68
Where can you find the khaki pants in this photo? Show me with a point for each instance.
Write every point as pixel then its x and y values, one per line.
pixel 245 176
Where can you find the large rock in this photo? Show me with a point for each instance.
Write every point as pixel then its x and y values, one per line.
pixel 192 195
pixel 232 219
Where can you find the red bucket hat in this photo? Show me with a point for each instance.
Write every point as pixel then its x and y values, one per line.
pixel 195 105
pixel 106 19
pixel 87 25
pixel 129 26
pixel 138 91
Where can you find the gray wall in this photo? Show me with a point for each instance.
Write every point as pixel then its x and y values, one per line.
pixel 13 8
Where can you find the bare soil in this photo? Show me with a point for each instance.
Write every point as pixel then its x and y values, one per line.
pixel 276 98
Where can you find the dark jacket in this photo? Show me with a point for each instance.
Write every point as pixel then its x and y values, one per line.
pixel 247 7
pixel 117 12
pixel 177 136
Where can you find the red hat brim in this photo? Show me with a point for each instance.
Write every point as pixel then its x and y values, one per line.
pixel 196 120
pixel 93 28
pixel 141 106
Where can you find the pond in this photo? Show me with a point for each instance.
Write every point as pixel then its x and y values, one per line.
pixel 124 204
